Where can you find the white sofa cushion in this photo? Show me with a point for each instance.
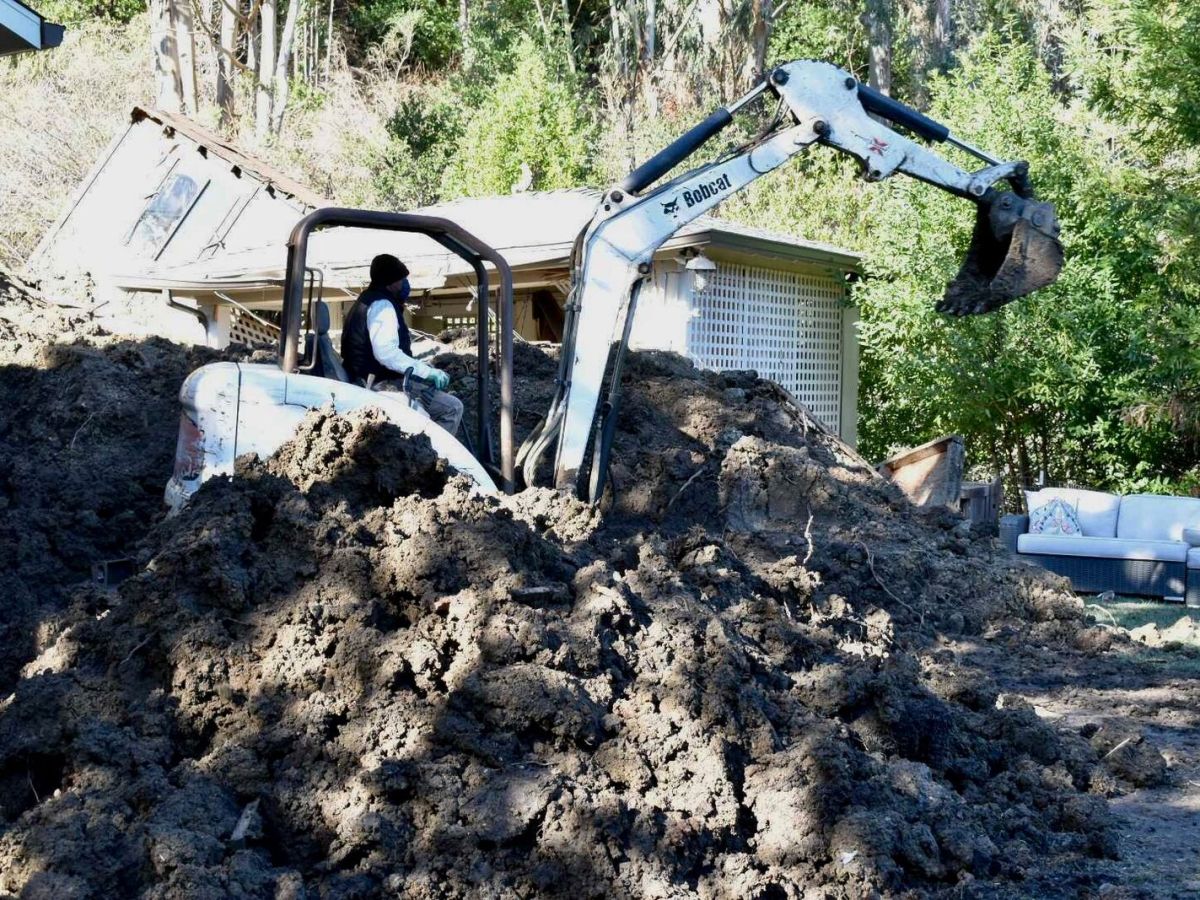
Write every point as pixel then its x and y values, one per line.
pixel 1056 517
pixel 1102 548
pixel 1193 558
pixel 1152 517
pixel 1097 510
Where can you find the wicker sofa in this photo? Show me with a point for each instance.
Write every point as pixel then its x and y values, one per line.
pixel 1137 544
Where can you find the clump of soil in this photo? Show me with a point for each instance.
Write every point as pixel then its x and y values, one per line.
pixel 361 462
pixel 1183 635
pixel 344 673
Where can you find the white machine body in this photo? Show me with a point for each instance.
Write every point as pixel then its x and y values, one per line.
pixel 231 409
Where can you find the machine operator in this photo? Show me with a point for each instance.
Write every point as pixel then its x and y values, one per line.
pixel 376 342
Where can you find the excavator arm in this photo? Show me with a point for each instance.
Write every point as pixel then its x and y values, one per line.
pixel 1014 251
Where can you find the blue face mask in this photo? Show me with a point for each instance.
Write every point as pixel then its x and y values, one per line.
pixel 404 291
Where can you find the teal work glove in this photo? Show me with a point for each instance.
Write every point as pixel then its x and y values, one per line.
pixel 440 379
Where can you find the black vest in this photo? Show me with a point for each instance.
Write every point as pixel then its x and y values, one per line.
pixel 357 355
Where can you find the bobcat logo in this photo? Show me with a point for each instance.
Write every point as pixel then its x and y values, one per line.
pixel 670 207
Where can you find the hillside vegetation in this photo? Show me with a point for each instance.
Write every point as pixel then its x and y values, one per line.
pixel 397 103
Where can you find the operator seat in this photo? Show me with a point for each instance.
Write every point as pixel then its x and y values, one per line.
pixel 327 362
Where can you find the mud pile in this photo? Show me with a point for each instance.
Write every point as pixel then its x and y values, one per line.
pixel 342 673
pixel 87 431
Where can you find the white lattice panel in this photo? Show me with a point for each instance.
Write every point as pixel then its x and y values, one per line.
pixel 248 329
pixel 785 325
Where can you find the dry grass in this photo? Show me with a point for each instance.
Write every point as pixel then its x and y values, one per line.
pixel 58 111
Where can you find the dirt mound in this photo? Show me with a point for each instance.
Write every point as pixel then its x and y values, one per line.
pixel 87 432
pixel 343 673
pixel 1183 635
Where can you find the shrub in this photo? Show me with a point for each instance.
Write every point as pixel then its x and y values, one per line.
pixel 534 118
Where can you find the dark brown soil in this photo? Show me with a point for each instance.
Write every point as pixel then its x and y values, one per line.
pixel 343 673
pixel 87 429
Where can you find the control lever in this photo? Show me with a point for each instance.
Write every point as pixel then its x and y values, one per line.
pixel 417 387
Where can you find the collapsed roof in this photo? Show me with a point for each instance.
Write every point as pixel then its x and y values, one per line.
pixel 532 231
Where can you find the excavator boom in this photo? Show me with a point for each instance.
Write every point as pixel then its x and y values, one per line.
pixel 1015 248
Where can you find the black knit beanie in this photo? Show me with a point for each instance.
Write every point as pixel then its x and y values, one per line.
pixel 386 269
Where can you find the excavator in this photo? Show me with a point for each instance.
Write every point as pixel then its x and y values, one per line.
pixel 232 408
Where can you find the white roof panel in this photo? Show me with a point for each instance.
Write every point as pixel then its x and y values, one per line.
pixel 529 230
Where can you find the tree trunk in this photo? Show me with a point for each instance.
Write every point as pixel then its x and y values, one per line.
pixel 185 42
pixel 1024 466
pixel 760 35
pixel 168 87
pixel 1044 455
pixel 225 70
pixel 649 43
pixel 568 36
pixel 266 67
pixel 943 34
pixel 646 55
pixel 252 45
pixel 329 40
pixel 310 42
pixel 279 104
pixel 620 66
pixel 877 19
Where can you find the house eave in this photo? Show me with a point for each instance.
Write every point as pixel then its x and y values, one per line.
pixel 768 248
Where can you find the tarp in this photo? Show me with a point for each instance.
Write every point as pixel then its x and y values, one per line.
pixel 22 29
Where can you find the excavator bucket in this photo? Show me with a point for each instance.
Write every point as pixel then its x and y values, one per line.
pixel 1014 251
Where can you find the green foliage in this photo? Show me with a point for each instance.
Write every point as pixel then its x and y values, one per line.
pixel 75 12
pixel 1045 383
pixel 433 25
pixel 1049 382
pixel 1138 63
pixel 831 29
pixel 424 137
pixel 534 118
pixel 425 127
pixel 497 29
pixel 1135 67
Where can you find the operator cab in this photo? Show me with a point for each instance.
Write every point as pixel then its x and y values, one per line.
pixel 229 409
pixel 315 355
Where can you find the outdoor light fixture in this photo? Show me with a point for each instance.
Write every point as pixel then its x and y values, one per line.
pixel 700 265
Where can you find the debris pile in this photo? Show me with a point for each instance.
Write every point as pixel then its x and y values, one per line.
pixel 344 673
pixel 87 429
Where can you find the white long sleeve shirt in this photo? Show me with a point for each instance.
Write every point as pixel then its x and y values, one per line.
pixel 384 330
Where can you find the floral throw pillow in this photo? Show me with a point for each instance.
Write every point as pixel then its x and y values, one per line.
pixel 1056 517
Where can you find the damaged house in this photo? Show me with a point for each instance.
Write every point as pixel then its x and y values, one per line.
pixel 166 192
pixel 187 234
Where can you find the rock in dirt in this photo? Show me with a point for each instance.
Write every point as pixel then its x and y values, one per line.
pixel 342 672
